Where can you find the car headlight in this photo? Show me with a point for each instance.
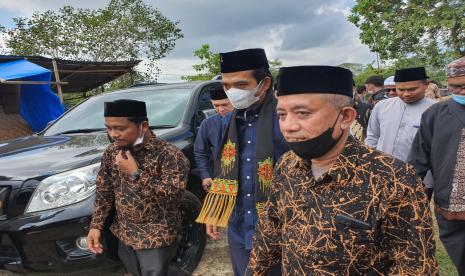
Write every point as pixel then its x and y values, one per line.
pixel 64 189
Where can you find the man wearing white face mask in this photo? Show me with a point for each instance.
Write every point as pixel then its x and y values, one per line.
pixel 251 144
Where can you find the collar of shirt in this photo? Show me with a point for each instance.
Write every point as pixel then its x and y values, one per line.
pixel 419 102
pixel 342 170
pixel 247 113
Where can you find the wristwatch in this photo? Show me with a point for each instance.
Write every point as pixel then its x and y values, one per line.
pixel 136 174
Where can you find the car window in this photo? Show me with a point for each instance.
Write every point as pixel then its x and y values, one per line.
pixel 205 107
pixel 165 107
pixel 205 101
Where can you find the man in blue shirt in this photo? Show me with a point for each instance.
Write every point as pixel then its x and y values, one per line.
pixel 208 141
pixel 251 144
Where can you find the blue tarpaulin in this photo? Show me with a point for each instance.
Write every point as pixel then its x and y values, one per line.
pixel 38 104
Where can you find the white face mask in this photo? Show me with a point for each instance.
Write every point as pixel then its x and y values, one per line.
pixel 241 98
pixel 140 139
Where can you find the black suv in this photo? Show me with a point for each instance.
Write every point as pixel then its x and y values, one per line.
pixel 47 181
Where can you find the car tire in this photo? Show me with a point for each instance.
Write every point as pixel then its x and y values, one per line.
pixel 193 236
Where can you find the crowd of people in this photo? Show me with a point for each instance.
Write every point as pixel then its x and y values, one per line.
pixel 310 174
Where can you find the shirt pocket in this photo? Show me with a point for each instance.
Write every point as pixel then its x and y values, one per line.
pixel 358 243
pixel 355 236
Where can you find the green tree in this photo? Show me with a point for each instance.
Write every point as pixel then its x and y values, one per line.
pixel 210 65
pixel 274 66
pixel 434 72
pixel 122 30
pixel 369 70
pixel 431 31
pixel 356 68
pixel 387 71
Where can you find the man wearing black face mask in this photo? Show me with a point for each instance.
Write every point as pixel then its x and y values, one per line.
pixel 338 207
pixel 251 144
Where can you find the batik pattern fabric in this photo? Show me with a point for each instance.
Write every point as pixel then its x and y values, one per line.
pixel 221 198
pixel 358 128
pixel 147 209
pixel 457 196
pixel 386 226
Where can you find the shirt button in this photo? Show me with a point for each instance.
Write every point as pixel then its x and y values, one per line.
pixel 249 142
pixel 256 115
pixel 249 196
pixel 248 159
pixel 250 124
pixel 249 212
pixel 248 177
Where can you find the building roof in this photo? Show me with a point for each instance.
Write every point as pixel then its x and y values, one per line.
pixel 81 75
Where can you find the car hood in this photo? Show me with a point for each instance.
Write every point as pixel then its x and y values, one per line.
pixel 39 156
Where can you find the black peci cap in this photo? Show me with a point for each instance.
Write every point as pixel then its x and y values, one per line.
pixel 243 60
pixel 125 108
pixel 315 79
pixel 217 92
pixel 375 80
pixel 410 74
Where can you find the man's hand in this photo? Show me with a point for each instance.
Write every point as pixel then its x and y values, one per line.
pixel 93 241
pixel 207 183
pixel 126 164
pixel 212 231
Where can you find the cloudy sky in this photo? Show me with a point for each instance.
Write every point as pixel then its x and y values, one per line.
pixel 295 31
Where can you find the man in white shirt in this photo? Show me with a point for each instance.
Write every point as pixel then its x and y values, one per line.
pixel 394 122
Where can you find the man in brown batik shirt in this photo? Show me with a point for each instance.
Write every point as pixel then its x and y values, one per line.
pixel 144 177
pixel 338 207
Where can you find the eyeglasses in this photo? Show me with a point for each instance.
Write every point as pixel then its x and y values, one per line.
pixel 390 90
pixel 456 87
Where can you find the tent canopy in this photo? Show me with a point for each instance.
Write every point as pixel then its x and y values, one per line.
pixel 20 69
pixel 81 76
pixel 38 104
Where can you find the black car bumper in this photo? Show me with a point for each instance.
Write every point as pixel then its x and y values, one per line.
pixel 46 241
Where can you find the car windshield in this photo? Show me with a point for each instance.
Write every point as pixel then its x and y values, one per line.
pixel 165 108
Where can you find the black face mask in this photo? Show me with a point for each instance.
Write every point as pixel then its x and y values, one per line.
pixel 316 147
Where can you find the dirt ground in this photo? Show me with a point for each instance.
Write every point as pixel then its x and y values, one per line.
pixel 215 260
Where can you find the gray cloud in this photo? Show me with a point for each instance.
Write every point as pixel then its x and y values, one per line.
pixel 227 24
pixel 295 31
pixel 210 17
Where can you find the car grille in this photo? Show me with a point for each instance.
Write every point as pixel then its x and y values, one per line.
pixel 8 253
pixel 14 198
pixel 4 193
